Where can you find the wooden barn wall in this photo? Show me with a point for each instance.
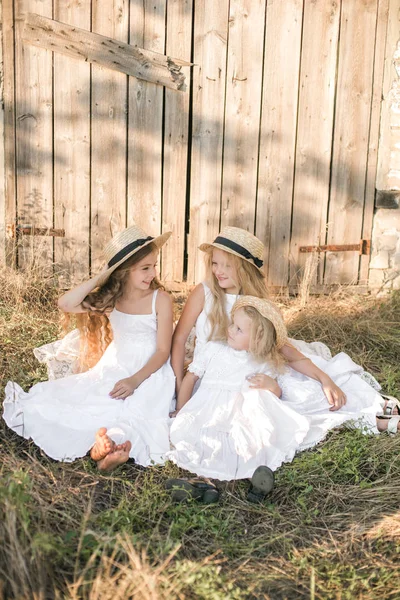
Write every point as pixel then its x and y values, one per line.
pixel 277 132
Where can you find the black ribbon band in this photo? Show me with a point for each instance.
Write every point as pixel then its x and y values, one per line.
pixel 125 251
pixel 239 249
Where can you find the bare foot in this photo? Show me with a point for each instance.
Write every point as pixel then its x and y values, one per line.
pixel 103 445
pixel 116 457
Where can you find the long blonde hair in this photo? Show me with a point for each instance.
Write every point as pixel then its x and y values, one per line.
pixel 94 325
pixel 250 282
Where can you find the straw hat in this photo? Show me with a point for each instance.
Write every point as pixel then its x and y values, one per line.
pixel 239 242
pixel 268 310
pixel 126 243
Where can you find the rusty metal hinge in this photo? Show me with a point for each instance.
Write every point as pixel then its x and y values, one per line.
pixel 363 247
pixel 14 230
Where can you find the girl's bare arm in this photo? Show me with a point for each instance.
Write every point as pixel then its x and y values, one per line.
pixel 193 307
pixel 185 391
pixel 301 364
pixel 71 301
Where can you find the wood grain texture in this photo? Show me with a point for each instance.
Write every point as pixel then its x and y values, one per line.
pixel 34 141
pixel 108 134
pixel 209 78
pixel 90 47
pixel 314 131
pixel 352 124
pixel 278 135
pixel 72 153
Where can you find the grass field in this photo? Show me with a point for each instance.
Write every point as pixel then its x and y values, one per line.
pixel 330 529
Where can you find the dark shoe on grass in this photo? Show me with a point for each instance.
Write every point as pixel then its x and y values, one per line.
pixel 202 490
pixel 261 484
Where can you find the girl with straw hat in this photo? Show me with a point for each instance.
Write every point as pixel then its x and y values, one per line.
pixel 234 262
pixel 235 426
pixel 125 319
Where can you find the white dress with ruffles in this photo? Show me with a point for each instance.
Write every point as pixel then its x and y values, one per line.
pixel 227 430
pixel 305 395
pixel 63 415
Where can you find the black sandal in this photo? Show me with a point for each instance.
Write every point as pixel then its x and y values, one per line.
pixel 261 484
pixel 200 489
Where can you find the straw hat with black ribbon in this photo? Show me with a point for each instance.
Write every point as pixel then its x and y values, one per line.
pixel 268 310
pixel 239 242
pixel 125 244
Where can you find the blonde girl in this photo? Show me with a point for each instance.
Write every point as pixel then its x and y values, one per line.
pixel 234 263
pixel 235 426
pixel 126 327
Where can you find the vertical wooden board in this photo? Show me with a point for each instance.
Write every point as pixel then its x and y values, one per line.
pixel 209 75
pixel 146 102
pixel 2 148
pixel 34 140
pixel 179 33
pixel 278 135
pixel 242 112
pixel 350 149
pixel 109 134
pixel 383 20
pixel 72 151
pixel 10 201
pixel 314 132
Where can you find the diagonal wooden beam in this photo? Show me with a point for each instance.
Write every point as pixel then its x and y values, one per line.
pixel 104 51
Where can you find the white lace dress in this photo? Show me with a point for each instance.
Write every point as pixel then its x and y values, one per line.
pixel 63 415
pixel 305 395
pixel 227 430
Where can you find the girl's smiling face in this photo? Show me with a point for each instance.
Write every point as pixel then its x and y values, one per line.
pixel 224 271
pixel 239 331
pixel 142 274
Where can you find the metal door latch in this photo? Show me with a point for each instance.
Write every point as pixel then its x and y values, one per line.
pixel 15 230
pixel 363 247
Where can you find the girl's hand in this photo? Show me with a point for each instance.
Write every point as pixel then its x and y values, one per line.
pixel 173 414
pixel 259 381
pixel 334 394
pixel 123 388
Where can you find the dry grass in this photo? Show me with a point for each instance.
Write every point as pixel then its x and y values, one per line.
pixel 331 528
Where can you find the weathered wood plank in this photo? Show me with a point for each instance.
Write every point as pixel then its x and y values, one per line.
pixel 242 112
pixel 383 181
pixel 314 132
pixel 209 77
pixel 2 143
pixel 109 133
pixel 278 135
pixel 34 141
pixel 90 47
pixel 179 32
pixel 379 61
pixel 10 200
pixel 72 153
pixel 352 122
pixel 146 103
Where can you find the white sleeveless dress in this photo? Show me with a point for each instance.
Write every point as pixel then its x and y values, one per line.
pixel 62 416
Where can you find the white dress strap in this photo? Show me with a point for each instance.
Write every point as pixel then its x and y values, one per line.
pixel 153 303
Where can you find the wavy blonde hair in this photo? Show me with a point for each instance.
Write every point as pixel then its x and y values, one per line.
pixel 94 325
pixel 263 338
pixel 250 282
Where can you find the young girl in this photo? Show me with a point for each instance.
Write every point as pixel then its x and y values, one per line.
pixel 235 422
pixel 129 390
pixel 234 267
pixel 229 428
